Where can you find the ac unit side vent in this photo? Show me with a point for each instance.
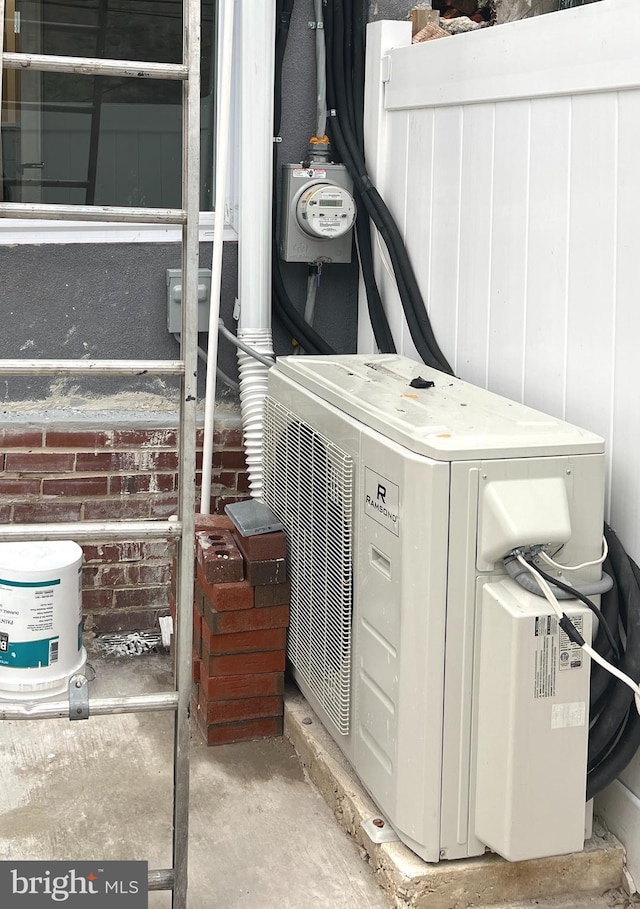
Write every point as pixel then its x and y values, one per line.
pixel 308 483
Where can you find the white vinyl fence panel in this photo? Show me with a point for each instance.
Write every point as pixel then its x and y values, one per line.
pixel 509 158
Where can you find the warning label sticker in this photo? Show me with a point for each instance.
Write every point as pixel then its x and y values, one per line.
pixel 546 659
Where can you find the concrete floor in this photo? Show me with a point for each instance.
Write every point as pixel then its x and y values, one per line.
pixel 261 836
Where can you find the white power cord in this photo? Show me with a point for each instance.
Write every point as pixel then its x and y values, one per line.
pixel 547 558
pixel 553 602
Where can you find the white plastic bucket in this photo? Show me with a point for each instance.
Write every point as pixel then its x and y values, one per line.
pixel 40 618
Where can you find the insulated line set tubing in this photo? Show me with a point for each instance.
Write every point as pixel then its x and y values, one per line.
pixel 188 72
pixel 339 20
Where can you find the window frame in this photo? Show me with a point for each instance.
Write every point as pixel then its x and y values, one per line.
pixel 32 231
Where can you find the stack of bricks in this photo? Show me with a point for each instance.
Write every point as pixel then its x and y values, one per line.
pixel 241 614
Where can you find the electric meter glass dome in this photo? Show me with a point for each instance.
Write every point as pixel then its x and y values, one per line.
pixel 325 210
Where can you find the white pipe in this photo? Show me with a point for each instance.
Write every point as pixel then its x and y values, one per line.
pixel 225 25
pixel 257 59
pixel 253 389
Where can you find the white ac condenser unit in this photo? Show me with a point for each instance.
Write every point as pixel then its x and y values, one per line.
pixel 460 704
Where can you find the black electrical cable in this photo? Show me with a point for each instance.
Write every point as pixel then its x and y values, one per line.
pixel 347 145
pixel 379 323
pixel 377 316
pixel 614 735
pixel 419 324
pixel 604 625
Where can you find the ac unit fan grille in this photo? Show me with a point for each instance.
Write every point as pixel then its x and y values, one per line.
pixel 308 483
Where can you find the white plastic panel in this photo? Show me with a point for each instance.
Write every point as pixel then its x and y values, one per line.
pixel 533 723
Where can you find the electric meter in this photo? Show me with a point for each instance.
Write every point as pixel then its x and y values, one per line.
pixel 325 210
pixel 318 212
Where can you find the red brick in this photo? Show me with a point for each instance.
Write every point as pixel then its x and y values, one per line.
pixel 142 438
pixel 269 571
pixel 196 663
pixel 133 551
pixel 272 595
pixel 228 438
pixel 219 557
pixel 5 514
pixel 75 486
pixel 263 546
pixel 243 731
pixel 212 522
pixel 43 512
pixel 225 480
pixel 242 641
pixel 127 620
pixel 217 712
pixel 226 597
pixel 129 461
pixel 99 598
pixel 19 487
pixel 39 462
pixel 219 502
pixel 242 482
pixel 233 460
pixel 20 438
pixel 163 506
pixel 244 663
pixel 226 688
pixel 125 597
pixel 84 438
pixel 142 482
pixel 116 509
pixel 245 619
pixel 197 633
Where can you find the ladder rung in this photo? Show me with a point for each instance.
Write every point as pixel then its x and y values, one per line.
pixel 91 530
pixel 161 880
pixel 93 66
pixel 46 710
pixel 92 367
pixel 93 213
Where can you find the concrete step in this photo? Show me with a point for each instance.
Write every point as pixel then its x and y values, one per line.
pixel 484 881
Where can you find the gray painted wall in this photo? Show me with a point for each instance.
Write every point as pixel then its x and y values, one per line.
pixel 110 300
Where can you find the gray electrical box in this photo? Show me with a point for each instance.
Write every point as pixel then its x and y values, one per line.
pixel 174 299
pixel 318 212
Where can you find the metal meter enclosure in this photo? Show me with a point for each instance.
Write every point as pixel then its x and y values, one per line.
pixel 318 212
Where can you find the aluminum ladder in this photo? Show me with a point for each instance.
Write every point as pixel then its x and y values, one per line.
pixel 178 700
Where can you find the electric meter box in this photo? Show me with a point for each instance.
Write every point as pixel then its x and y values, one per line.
pixel 460 704
pixel 318 212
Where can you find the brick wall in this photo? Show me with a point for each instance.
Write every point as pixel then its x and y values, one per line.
pixel 77 474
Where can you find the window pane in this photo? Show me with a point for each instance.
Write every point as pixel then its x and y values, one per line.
pixel 76 139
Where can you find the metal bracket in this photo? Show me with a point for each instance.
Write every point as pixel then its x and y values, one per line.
pixel 379 830
pixel 78 698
